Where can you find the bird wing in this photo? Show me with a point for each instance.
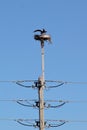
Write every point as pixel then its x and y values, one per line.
pixel 38 30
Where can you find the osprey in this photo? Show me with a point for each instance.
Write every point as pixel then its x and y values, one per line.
pixel 43 36
pixel 41 31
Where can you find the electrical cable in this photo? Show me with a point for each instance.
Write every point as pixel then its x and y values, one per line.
pixel 56 81
pixel 58 85
pixel 56 106
pixel 48 120
pixel 18 83
pixel 23 104
pixel 33 100
pixel 65 82
pixel 14 81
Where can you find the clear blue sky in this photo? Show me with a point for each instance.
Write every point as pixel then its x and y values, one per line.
pixel 65 59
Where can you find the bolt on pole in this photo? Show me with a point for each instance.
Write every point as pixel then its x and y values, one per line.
pixel 41 80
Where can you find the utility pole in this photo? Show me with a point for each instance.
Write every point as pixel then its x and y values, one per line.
pixel 41 91
pixel 40 84
pixel 41 80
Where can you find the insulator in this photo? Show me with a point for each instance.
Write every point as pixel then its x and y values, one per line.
pixel 37 103
pixel 38 84
pixel 37 124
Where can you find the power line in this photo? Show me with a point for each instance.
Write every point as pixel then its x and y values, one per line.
pixel 66 101
pixel 54 81
pixel 66 82
pixel 47 123
pixel 47 103
pixel 15 81
pixel 55 120
pixel 45 83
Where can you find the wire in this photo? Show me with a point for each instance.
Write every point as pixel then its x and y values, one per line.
pixel 48 123
pixel 28 103
pixel 67 121
pixel 25 124
pixel 23 104
pixel 56 106
pixel 18 83
pixel 58 85
pixel 56 81
pixel 15 81
pixel 68 101
pixel 15 100
pixel 33 100
pixel 65 82
pixel 56 125
pixel 32 120
pixel 35 104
